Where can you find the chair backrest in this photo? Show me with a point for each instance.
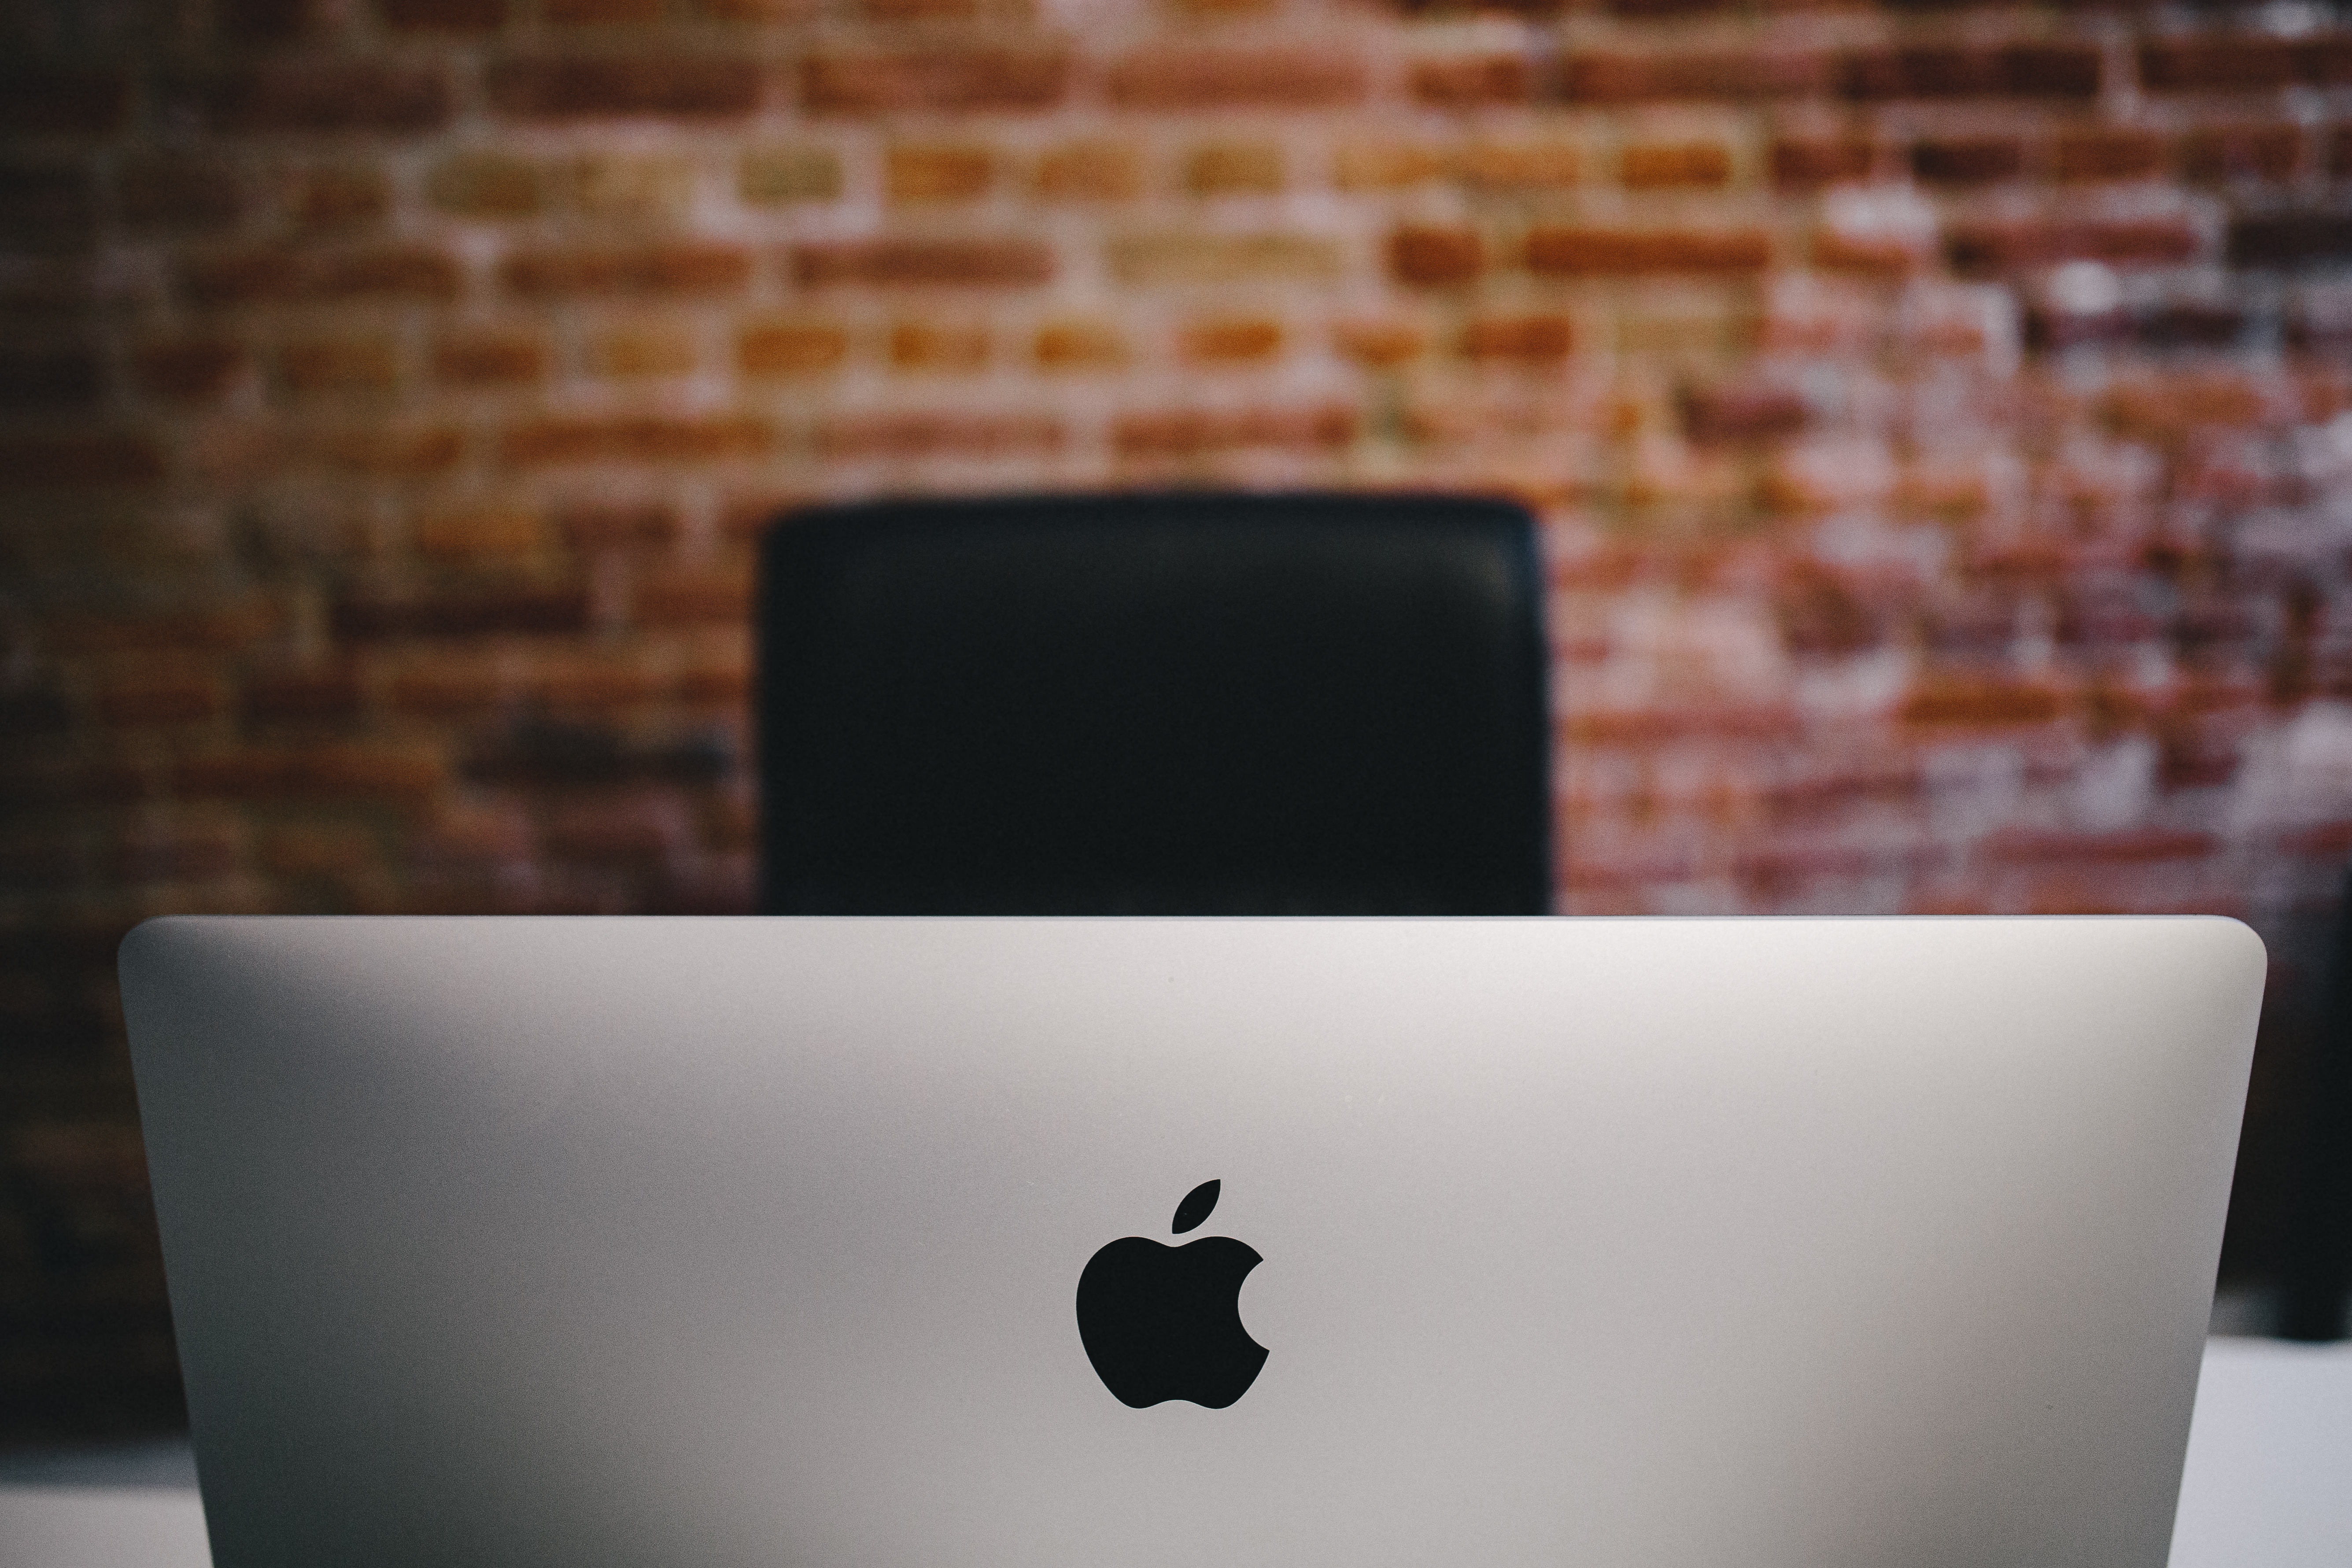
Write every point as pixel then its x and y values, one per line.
pixel 1156 704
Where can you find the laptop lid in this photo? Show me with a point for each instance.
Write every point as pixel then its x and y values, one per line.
pixel 855 1242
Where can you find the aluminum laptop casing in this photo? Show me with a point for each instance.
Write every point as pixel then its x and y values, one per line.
pixel 1646 1244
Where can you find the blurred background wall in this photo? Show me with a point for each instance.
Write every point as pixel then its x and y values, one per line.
pixel 1942 417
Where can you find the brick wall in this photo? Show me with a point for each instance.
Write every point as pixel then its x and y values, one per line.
pixel 1942 415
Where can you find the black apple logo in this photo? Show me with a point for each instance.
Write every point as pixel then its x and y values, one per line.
pixel 1165 1322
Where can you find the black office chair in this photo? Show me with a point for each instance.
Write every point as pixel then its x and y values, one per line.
pixel 1156 704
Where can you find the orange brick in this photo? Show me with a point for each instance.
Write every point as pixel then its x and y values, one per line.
pixel 1380 343
pixel 1386 166
pixel 1235 168
pixel 950 346
pixel 603 13
pixel 1653 166
pixel 774 176
pixel 1987 703
pixel 389 451
pixel 938 173
pixel 1187 257
pixel 487 185
pixel 1079 345
pixel 791 348
pixel 1520 165
pixel 641 349
pixel 1091 172
pixel 478 534
pixel 685 598
pixel 1232 339
pixel 320 850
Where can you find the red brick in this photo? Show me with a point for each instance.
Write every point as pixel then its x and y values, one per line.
pixel 1743 411
pixel 1995 247
pixel 1615 76
pixel 636 438
pixel 159 697
pixel 478 534
pixel 389 450
pixel 675 87
pixel 791 348
pixel 629 828
pixel 277 275
pixel 404 775
pixel 1435 257
pixel 489 357
pixel 676 268
pixel 2013 70
pixel 177 852
pixel 684 597
pixel 1589 252
pixel 1237 78
pixel 555 609
pixel 2137 846
pixel 47 206
pixel 50 378
pixel 2214 154
pixel 1970 160
pixel 2291 238
pixel 1468 81
pixel 971 80
pixel 865 437
pixel 83 459
pixel 339 364
pixel 443 15
pixel 218 629
pixel 317 850
pixel 1803 162
pixel 177 193
pixel 1986 702
pixel 601 13
pixel 63 100
pixel 302 696
pixel 1524 340
pixel 2210 64
pixel 618 525
pixel 265 21
pixel 326 96
pixel 1189 433
pixel 2108 154
pixel 336 198
pixel 974 263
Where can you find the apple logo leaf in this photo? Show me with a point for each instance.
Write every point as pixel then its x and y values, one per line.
pixel 1195 1208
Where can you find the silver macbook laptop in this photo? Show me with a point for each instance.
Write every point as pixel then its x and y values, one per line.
pixel 888 1243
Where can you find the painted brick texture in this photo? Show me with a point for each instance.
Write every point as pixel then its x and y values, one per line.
pixel 1941 416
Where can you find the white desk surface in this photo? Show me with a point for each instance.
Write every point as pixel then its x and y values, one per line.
pixel 2269 1483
